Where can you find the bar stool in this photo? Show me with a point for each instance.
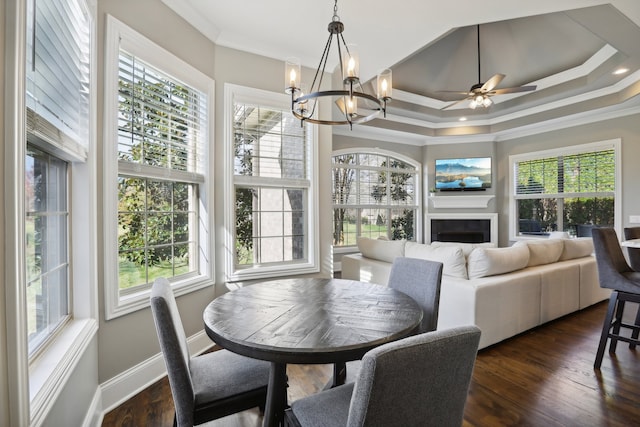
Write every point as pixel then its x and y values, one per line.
pixel 634 253
pixel 614 273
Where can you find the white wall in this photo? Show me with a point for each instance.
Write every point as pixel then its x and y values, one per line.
pixel 4 381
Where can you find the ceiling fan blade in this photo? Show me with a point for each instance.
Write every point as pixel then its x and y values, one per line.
pixel 459 92
pixel 513 90
pixel 492 82
pixel 453 104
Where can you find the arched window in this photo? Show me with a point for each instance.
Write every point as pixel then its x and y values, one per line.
pixel 375 194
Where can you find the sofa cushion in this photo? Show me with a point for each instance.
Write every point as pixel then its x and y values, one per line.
pixel 451 257
pixel 383 250
pixel 466 247
pixel 576 248
pixel 484 262
pixel 542 251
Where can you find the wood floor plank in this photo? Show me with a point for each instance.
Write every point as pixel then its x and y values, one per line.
pixel 543 377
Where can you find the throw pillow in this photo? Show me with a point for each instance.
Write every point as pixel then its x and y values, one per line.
pixel 383 250
pixel 577 248
pixel 484 262
pixel 542 251
pixel 466 247
pixel 451 257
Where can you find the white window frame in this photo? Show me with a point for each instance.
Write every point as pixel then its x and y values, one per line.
pixel 418 189
pixel 234 93
pixel 117 36
pixel 37 383
pixel 614 144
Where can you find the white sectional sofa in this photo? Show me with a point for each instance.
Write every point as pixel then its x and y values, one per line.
pixel 504 291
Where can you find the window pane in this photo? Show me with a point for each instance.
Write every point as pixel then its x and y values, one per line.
pixel 582 214
pixel 403 224
pixel 375 223
pixel 537 216
pixel 270 225
pixel 268 143
pixel 46 245
pixel 343 186
pixel 374 180
pixel 160 119
pixel 344 227
pixel 156 222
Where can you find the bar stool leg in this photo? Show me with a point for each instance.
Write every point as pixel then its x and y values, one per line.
pixel 636 332
pixel 613 299
pixel 616 325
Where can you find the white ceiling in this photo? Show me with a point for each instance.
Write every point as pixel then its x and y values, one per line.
pixel 568 48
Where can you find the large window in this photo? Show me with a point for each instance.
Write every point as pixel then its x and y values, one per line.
pixel 572 189
pixel 158 143
pixel 272 188
pixel 57 99
pixel 50 203
pixel 375 194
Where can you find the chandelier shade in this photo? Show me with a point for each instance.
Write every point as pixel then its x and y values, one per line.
pixel 353 104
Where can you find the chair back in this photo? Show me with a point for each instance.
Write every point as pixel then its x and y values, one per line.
pixel 173 343
pixel 634 253
pixel 421 280
pixel 612 266
pixel 417 381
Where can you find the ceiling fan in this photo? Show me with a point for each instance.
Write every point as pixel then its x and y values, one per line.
pixel 480 94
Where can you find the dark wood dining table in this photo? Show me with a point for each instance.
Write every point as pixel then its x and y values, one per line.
pixel 307 321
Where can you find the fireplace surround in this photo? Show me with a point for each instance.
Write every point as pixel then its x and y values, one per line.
pixel 466 228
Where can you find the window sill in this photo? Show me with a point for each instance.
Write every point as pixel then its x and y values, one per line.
pixel 140 300
pixel 49 372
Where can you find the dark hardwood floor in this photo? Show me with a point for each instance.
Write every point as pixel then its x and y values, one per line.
pixel 543 377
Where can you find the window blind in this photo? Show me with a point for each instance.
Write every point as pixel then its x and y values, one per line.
pixel 58 61
pixel 161 123
pixel 592 172
pixel 269 143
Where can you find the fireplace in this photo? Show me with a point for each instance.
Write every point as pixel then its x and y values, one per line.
pixel 463 228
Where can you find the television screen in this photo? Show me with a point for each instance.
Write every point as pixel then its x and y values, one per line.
pixel 462 174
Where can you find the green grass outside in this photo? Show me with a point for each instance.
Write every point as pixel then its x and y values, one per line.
pixel 131 274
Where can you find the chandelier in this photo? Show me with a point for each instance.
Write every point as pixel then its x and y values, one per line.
pixel 354 104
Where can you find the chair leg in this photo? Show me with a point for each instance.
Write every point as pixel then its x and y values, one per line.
pixel 613 299
pixel 636 332
pixel 617 322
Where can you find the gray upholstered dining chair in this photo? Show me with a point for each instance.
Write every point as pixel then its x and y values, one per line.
pixel 209 386
pixel 634 253
pixel 614 273
pixel 421 280
pixel 421 381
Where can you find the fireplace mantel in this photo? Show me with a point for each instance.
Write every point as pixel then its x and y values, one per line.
pixel 466 201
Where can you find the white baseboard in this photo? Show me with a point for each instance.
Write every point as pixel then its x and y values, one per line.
pixel 122 387
pixel 94 413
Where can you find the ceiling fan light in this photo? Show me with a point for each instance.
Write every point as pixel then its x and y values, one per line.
pixel 487 102
pixel 473 104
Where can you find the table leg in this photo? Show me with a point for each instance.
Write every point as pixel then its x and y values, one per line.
pixel 339 375
pixel 276 396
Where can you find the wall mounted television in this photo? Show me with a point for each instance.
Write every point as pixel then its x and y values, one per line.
pixel 472 173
